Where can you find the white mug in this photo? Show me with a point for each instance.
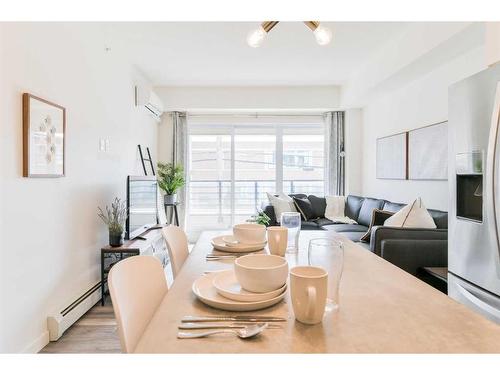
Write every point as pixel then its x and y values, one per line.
pixel 277 239
pixel 308 288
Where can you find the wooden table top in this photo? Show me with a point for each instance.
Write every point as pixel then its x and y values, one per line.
pixel 382 310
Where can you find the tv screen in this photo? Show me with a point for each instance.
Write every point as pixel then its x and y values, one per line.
pixel 141 204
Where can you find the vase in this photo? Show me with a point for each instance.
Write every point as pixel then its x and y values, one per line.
pixel 115 240
pixel 170 198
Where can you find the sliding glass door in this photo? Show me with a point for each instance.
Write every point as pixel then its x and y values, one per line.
pixel 232 166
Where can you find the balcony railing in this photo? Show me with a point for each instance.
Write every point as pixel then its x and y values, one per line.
pixel 213 197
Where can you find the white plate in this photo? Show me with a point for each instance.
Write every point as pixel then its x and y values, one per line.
pixel 227 285
pixel 205 291
pixel 219 244
pixel 231 241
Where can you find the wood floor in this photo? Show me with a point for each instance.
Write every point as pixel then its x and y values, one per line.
pixel 95 332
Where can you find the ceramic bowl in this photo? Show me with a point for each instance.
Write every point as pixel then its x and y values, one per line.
pixel 249 233
pixel 261 273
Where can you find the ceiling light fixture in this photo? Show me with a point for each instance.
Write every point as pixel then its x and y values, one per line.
pixel 256 37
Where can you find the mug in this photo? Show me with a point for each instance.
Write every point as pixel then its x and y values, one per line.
pixel 277 239
pixel 308 288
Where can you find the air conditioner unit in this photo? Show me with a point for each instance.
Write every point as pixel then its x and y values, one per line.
pixel 148 99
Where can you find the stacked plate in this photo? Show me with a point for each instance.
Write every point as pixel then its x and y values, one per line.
pixel 245 238
pixel 229 244
pixel 222 291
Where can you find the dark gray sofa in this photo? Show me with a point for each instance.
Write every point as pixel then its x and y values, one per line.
pixel 408 248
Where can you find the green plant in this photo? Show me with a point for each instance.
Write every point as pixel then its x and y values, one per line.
pixel 262 218
pixel 115 216
pixel 170 177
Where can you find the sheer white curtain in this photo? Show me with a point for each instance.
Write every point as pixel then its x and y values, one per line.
pixel 179 157
pixel 335 152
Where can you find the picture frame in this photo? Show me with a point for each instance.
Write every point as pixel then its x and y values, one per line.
pixel 44 138
pixel 428 152
pixel 392 157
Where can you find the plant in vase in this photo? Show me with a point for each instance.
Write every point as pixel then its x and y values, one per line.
pixel 262 218
pixel 114 217
pixel 170 180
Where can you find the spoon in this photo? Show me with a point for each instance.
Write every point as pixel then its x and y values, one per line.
pixel 243 333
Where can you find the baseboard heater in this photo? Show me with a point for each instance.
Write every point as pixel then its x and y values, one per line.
pixel 59 322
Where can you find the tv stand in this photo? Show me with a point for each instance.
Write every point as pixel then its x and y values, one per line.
pixel 150 243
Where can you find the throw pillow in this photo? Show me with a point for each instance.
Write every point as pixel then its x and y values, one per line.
pixel 335 210
pixel 413 215
pixel 378 218
pixel 305 208
pixel 281 203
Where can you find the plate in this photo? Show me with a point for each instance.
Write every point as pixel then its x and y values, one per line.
pixel 205 291
pixel 219 244
pixel 231 241
pixel 227 285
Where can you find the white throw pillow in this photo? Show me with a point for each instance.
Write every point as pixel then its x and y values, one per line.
pixel 335 210
pixel 413 215
pixel 281 203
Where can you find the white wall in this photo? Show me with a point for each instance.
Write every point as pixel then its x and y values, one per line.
pixel 50 233
pixel 492 43
pixel 421 102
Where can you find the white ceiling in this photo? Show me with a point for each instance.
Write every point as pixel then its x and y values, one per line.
pixel 216 53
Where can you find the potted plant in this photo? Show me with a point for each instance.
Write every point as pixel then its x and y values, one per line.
pixel 170 179
pixel 114 217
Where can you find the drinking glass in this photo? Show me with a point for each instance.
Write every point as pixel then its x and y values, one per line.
pixel 291 220
pixel 329 254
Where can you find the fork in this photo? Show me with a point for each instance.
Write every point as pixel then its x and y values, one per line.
pixel 243 333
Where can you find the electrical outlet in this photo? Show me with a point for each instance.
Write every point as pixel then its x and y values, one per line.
pixel 102 145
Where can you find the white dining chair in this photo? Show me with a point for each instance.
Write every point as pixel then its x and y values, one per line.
pixel 177 245
pixel 137 286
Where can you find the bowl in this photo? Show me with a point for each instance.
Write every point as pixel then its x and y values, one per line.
pixel 249 233
pixel 261 273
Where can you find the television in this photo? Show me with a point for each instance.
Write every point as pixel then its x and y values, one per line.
pixel 142 205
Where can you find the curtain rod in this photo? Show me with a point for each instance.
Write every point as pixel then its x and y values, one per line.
pixel 253 115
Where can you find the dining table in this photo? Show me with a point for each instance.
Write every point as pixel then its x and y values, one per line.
pixel 382 309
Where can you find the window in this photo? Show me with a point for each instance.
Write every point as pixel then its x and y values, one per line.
pixel 231 166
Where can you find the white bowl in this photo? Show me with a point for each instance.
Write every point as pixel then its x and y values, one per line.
pixel 261 273
pixel 249 233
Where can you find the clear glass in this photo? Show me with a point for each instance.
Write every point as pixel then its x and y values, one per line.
pixel 291 220
pixel 329 254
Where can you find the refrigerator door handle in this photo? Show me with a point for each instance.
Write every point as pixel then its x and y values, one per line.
pixel 484 306
pixel 492 168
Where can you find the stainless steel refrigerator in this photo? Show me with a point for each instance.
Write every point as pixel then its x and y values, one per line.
pixel 474 181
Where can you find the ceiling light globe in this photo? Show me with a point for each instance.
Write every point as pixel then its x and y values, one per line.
pixel 323 35
pixel 256 37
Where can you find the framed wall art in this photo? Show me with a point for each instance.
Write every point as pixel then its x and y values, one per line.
pixel 44 138
pixel 428 152
pixel 392 157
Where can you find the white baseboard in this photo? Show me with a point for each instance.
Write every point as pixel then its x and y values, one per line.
pixel 38 344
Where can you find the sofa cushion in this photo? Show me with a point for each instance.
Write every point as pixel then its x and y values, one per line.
pixel 365 213
pixel 318 205
pixel 346 228
pixel 353 236
pixel 310 225
pixel 393 207
pixel 323 221
pixel 352 206
pixel 305 208
pixel 378 218
pixel 440 218
pixel 281 203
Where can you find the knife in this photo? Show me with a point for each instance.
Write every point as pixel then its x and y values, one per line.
pixel 219 325
pixel 235 318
